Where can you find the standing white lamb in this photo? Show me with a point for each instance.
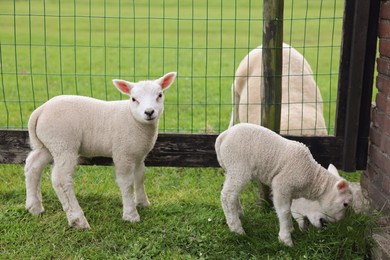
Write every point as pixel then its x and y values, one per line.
pixel 248 151
pixel 301 111
pixel 67 127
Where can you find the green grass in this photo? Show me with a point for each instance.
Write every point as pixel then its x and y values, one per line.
pixel 185 221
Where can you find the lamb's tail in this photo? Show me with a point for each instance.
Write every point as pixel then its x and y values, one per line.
pixel 35 142
pixel 218 143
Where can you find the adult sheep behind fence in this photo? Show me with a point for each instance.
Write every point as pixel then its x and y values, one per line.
pixel 302 109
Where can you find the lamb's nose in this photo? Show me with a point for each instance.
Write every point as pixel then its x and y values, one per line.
pixel 149 112
pixel 323 222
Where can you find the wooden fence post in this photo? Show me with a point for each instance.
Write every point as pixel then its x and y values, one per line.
pixel 272 57
pixel 272 63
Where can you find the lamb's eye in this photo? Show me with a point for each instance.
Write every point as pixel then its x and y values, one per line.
pixel 134 100
pixel 160 95
pixel 345 205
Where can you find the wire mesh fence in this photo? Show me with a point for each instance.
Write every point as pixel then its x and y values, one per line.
pixel 53 47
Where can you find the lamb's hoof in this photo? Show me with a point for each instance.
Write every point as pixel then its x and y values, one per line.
pixel 303 224
pixel 36 209
pixel 238 230
pixel 79 223
pixel 240 212
pixel 303 228
pixel 143 204
pixel 286 241
pixel 133 218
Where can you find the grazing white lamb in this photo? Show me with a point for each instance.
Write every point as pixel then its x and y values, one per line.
pixel 67 127
pixel 248 151
pixel 301 111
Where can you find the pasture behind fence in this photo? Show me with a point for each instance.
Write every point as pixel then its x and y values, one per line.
pixel 50 48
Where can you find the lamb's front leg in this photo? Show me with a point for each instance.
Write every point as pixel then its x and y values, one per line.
pixel 141 199
pixel 125 179
pixel 283 209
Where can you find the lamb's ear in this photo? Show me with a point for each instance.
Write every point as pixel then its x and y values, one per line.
pixel 123 86
pixel 333 170
pixel 166 81
pixel 342 185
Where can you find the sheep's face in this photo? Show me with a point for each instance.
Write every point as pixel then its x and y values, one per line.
pixel 336 202
pixel 146 97
pixel 147 102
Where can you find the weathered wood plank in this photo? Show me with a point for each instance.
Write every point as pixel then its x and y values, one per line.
pixel 176 150
pixel 355 82
pixel 345 62
pixel 368 83
pixel 14 146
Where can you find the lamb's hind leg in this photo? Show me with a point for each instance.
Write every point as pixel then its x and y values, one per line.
pixel 230 201
pixel 35 163
pixel 63 185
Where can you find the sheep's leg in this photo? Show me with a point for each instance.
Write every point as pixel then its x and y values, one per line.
pixel 239 208
pixel 301 222
pixel 283 209
pixel 235 109
pixel 231 203
pixel 125 179
pixel 62 180
pixel 141 199
pixel 35 163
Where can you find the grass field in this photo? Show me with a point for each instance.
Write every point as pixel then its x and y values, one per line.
pixel 185 221
pixel 57 47
pixel 76 47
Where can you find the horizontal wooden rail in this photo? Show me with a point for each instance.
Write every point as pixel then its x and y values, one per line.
pixel 173 149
